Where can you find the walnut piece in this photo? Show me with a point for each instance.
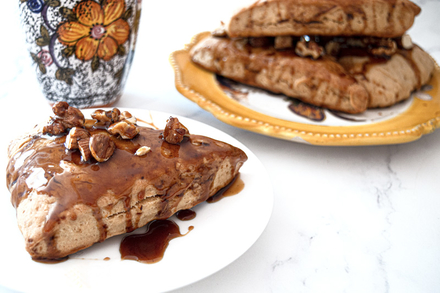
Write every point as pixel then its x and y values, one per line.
pixel 113 116
pixel 67 117
pixel 174 131
pixel 75 134
pixel 386 47
pixel 102 116
pixel 308 49
pixel 54 127
pixel 124 128
pixel 60 108
pixel 83 146
pixel 142 151
pixel 101 147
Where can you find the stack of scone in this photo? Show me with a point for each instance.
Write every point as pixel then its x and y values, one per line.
pixel 344 55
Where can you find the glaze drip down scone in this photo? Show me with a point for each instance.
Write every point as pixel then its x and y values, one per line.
pixel 77 181
pixel 342 55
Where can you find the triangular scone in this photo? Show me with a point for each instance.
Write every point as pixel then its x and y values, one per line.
pixel 380 18
pixel 66 203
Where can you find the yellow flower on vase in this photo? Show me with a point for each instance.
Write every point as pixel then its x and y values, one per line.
pixel 96 30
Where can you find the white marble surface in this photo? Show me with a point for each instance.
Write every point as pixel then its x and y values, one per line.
pixel 345 219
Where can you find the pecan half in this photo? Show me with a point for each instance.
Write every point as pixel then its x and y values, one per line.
pixel 101 146
pixel 102 116
pixel 83 146
pixel 174 131
pixel 124 128
pixel 75 134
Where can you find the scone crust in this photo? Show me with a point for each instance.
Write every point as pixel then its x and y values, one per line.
pixel 54 228
pixel 379 18
pixel 319 82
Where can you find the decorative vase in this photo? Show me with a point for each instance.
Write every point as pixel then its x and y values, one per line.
pixel 82 50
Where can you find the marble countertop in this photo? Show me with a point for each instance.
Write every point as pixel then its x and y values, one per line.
pixel 345 219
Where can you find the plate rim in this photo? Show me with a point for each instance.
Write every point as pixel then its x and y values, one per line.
pixel 233 113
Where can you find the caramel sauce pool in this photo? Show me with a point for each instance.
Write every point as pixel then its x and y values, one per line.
pixel 149 247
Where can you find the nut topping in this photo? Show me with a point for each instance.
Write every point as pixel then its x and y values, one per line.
pixel 67 117
pixel 54 127
pixel 174 131
pixel 407 42
pixel 125 129
pixel 83 146
pixel 74 136
pixel 102 116
pixel 60 108
pixel 142 151
pixel 308 49
pixel 101 147
pixel 387 47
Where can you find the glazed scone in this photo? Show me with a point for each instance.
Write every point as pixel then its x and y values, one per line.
pixel 320 82
pixel 66 202
pixel 380 18
pixel 392 81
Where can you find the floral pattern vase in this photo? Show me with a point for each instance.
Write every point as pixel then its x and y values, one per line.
pixel 82 50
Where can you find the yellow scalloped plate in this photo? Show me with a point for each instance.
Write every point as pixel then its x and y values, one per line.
pixel 407 122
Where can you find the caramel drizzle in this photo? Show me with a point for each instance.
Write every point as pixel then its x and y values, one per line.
pixel 72 181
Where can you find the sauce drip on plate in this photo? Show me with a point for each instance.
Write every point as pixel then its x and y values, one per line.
pixel 149 247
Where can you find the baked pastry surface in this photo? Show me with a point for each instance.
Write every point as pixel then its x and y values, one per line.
pixel 65 204
pixel 390 82
pixel 320 82
pixel 380 18
pixel 348 83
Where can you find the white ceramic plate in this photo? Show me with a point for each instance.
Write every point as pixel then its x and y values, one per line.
pixel 223 231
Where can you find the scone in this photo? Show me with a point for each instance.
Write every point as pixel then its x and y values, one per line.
pixel 76 181
pixel 379 18
pixel 342 55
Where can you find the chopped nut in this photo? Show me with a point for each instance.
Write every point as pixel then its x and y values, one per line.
pixel 115 114
pixel 126 115
pixel 74 136
pixel 102 116
pixel 68 117
pixel 174 131
pixel 54 127
pixel 283 42
pixel 406 42
pixel 89 123
pixel 60 108
pixel 386 47
pixel 142 151
pixel 308 49
pixel 125 129
pixel 101 147
pixel 111 116
pixel 73 117
pixel 83 146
